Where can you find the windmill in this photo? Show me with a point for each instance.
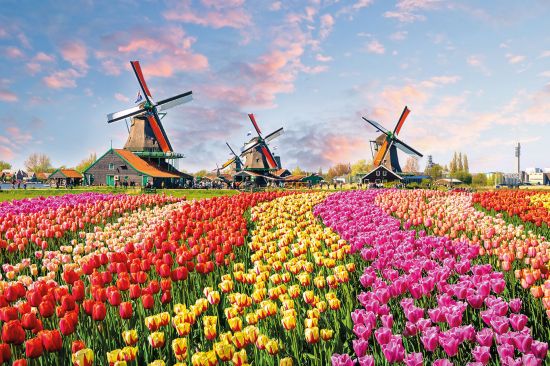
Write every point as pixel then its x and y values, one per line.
pixel 388 142
pixel 258 156
pixel 147 137
pixel 236 159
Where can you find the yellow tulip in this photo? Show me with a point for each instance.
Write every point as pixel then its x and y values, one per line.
pixel 130 337
pixel 84 357
pixel 183 329
pixel 179 346
pixel 156 339
pixel 210 332
pixel 129 353
pixel 239 358
pixel 235 324
pixel 224 350
pixel 251 318
pixel 289 322
pixel 312 335
pixel 261 341
pixel 240 339
pixel 272 347
pixel 308 296
pixel 251 333
pixel 157 363
pixel 114 356
pixel 326 334
pixel 287 361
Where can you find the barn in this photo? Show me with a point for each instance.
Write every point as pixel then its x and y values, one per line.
pixel 120 167
pixel 379 175
pixel 65 178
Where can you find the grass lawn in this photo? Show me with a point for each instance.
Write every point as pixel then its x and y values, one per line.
pixel 17 194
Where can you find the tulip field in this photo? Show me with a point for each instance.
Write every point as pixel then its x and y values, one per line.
pixel 367 277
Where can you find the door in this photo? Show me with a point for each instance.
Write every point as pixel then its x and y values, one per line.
pixel 110 180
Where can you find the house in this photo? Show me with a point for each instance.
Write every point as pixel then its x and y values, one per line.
pixel 341 179
pixel 415 178
pixel 65 177
pixel 42 177
pixel 448 182
pixel 539 178
pixel 123 167
pixel 312 179
pixel 380 174
pixel 282 173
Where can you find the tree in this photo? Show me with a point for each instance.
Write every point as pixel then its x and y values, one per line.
pixel 39 163
pixel 479 179
pixel 411 166
pixel 435 171
pixel 361 166
pixel 460 164
pixel 86 163
pixel 298 171
pixel 462 176
pixel 338 170
pixel 202 173
pixel 466 167
pixel 4 165
pixel 453 165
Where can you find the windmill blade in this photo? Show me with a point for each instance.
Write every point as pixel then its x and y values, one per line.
pixel 377 125
pixel 229 146
pixel 401 120
pixel 127 113
pixel 141 80
pixel 381 154
pixel 274 135
pixel 253 120
pixel 228 163
pixel 406 148
pixel 269 157
pixel 156 126
pixel 251 145
pixel 174 101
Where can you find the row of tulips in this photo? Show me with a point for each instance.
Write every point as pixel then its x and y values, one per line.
pixel 39 222
pixel 528 206
pixel 114 276
pixel 425 299
pixel 282 306
pixel 453 215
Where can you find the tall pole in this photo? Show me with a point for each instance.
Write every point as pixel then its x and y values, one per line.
pixel 518 153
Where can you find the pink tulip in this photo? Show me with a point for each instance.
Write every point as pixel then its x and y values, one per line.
pixel 523 342
pixel 518 321
pixel 360 346
pixel 449 344
pixel 505 351
pixel 515 305
pixel 341 360
pixel 366 361
pixel 383 335
pixel 499 324
pixel 482 354
pixel 414 359
pixel 387 321
pixel 539 349
pixel 393 350
pixel 442 362
pixel 430 339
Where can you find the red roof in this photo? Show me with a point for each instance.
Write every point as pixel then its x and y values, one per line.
pixel 70 173
pixel 142 166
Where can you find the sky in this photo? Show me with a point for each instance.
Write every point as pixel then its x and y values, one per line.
pixel 475 75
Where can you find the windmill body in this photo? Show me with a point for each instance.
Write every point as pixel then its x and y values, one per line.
pixel 387 143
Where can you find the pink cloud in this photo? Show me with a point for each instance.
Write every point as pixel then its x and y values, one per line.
pixel 343 149
pixel 321 58
pixel 398 36
pixel 405 9
pixel 222 4
pixel 121 97
pixel 76 54
pixel 111 67
pixel 231 17
pixel 17 136
pixel 355 7
pixel 376 47
pixel 43 57
pixel 33 68
pixel 8 96
pixel 514 59
pixel 13 52
pixel 276 6
pixel 62 79
pixel 327 22
pixel 6 152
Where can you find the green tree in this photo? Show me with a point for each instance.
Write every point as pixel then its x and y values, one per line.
pixel 4 165
pixel 361 166
pixel 338 170
pixel 86 163
pixel 466 166
pixel 39 163
pixel 201 173
pixel 460 166
pixel 462 176
pixel 479 179
pixel 298 171
pixel 435 171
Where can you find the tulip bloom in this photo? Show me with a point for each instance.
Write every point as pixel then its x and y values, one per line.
pixel 13 332
pixel 130 337
pixel 156 339
pixel 83 357
pixel 125 310
pixel 179 346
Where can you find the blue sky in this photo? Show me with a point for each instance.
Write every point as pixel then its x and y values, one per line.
pixel 476 76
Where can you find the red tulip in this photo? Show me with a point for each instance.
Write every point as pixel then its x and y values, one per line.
pixel 125 310
pixel 46 309
pixel 8 313
pixel 19 362
pixel 29 321
pixel 33 348
pixel 51 340
pixel 99 311
pixel 13 333
pixel 148 301
pixel 67 326
pixel 5 353
pixel 115 298
pixel 77 346
pixel 135 291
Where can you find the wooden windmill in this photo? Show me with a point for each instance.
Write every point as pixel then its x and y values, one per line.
pixel 387 143
pixel 147 137
pixel 235 160
pixel 256 152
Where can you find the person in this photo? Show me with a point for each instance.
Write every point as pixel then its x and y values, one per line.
pixel 18 184
pixel 25 185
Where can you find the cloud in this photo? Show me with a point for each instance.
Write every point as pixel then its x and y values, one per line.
pixel 545 74
pixel 406 10
pixel 327 22
pixel 33 67
pixel 75 53
pixel 62 79
pixel 353 8
pixel 13 53
pixel 43 57
pixel 163 52
pixel 478 62
pixel 321 58
pixel 375 47
pixel 276 6
pixel 514 59
pixel 398 36
pixel 230 16
pixel 121 97
pixel 8 96
pixel 545 54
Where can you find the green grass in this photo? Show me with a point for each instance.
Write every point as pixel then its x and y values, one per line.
pixel 17 194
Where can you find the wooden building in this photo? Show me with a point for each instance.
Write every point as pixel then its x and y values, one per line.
pixel 65 178
pixel 380 175
pixel 120 167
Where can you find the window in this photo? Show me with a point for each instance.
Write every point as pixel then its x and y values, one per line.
pixel 124 167
pixel 378 173
pixel 384 173
pixel 111 166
